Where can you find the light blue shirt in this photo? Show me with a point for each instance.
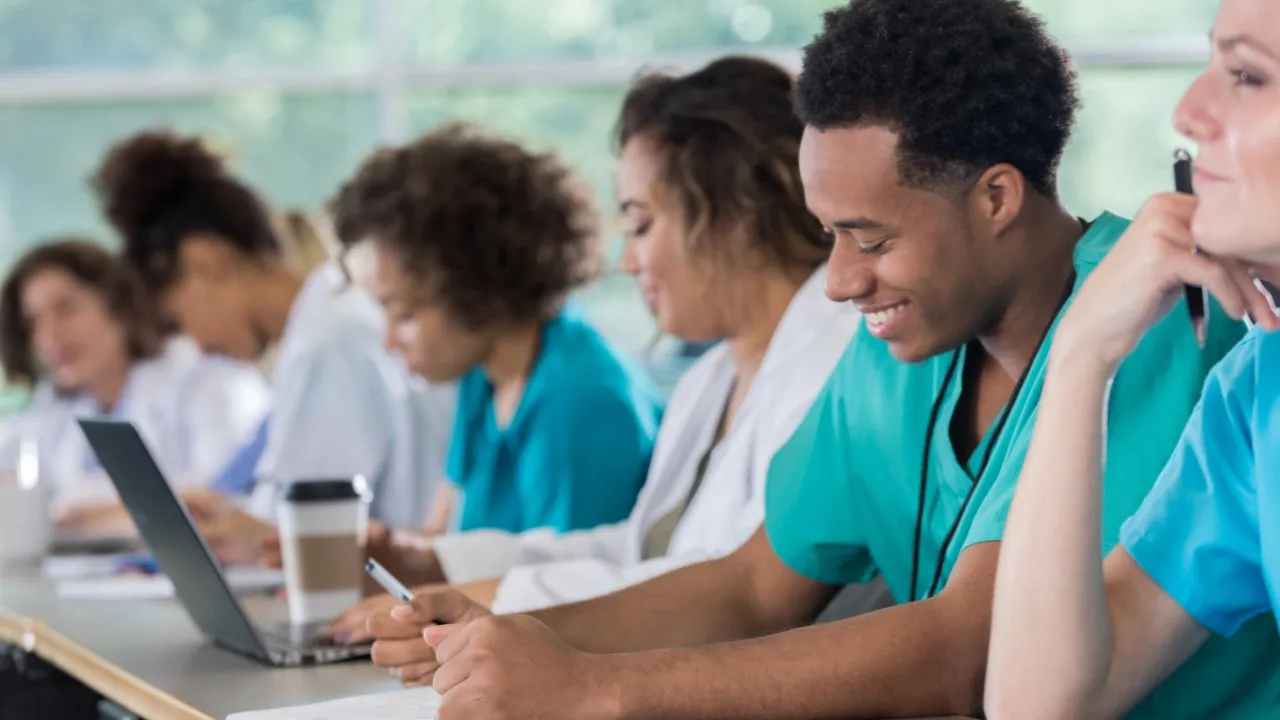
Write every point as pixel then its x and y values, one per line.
pixel 343 406
pixel 575 453
pixel 1209 533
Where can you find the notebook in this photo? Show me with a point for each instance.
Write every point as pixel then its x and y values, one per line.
pixel 415 704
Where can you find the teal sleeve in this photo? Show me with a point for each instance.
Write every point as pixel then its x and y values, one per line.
pixel 584 459
pixel 811 504
pixel 469 407
pixel 1197 533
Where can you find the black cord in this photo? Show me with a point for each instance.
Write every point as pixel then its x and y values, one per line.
pixel 924 469
pixel 986 455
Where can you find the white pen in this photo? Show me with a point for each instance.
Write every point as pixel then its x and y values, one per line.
pixel 387 580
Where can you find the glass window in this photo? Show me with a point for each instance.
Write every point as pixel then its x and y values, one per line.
pixel 1106 20
pixel 294 148
pixel 1122 151
pixel 453 32
pixel 148 34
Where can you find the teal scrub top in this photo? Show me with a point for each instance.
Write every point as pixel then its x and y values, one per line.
pixel 842 493
pixel 575 453
pixel 1209 533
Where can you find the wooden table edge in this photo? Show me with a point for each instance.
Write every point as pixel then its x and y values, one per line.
pixel 108 680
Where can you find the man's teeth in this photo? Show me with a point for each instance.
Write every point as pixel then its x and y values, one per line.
pixel 883 316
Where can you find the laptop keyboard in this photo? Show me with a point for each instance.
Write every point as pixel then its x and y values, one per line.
pixel 300 637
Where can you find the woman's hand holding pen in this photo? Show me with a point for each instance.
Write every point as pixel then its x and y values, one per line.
pixel 1143 277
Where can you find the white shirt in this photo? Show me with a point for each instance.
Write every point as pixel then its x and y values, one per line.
pixel 542 569
pixel 343 406
pixel 193 410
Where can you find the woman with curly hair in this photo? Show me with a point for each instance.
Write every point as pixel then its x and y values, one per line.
pixel 475 245
pixel 208 251
pixel 75 327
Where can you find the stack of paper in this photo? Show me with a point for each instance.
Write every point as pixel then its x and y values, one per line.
pixel 416 704
pixel 158 587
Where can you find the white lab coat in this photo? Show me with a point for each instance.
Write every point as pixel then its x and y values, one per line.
pixel 542 569
pixel 193 410
pixel 344 406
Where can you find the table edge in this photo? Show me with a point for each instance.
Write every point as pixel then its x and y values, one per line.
pixel 109 680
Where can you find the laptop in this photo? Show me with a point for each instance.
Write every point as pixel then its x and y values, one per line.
pixel 182 554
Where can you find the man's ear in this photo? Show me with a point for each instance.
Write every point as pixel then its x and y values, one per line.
pixel 998 197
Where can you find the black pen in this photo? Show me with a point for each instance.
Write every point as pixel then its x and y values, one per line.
pixel 1195 295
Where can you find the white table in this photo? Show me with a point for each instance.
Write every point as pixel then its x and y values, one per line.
pixel 149 658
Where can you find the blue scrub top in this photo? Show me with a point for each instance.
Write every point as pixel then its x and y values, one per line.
pixel 1209 533
pixel 238 478
pixel 575 453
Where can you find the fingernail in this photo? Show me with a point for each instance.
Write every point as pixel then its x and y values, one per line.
pixel 342 638
pixel 402 612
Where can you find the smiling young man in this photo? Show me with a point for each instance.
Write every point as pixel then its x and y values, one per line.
pixel 934 132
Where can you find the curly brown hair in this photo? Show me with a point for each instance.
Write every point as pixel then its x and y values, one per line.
pixel 728 142
pixel 498 234
pixel 157 188
pixel 91 265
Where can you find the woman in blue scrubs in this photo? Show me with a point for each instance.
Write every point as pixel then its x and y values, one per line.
pixel 1077 637
pixel 474 245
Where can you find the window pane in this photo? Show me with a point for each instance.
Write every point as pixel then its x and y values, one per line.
pixel 1100 20
pixel 452 32
pixel 456 32
pixel 144 34
pixel 295 149
pixel 1122 152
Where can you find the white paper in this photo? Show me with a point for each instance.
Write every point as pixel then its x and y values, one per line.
pixel 79 567
pixel 158 587
pixel 415 704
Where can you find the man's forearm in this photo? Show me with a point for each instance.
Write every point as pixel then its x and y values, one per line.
pixel 919 659
pixel 704 603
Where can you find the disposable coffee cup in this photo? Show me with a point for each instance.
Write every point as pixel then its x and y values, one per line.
pixel 26 524
pixel 322 525
pixel 26 528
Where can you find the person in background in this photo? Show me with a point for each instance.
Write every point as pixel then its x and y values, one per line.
pixel 934 131
pixel 1075 636
pixel 473 245
pixel 76 324
pixel 723 247
pixel 304 250
pixel 207 249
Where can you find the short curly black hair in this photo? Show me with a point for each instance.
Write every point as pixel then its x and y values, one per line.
pixel 967 84
pixel 496 233
pixel 158 187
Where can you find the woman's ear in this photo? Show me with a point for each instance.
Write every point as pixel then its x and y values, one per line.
pixel 206 259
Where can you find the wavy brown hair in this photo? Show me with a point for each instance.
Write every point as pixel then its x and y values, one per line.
pixel 88 264
pixel 728 143
pixel 495 232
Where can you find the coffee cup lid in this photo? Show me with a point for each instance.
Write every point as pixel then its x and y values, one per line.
pixel 325 490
